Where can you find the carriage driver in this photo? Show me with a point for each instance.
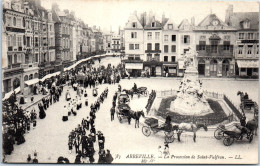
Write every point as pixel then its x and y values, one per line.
pixel 135 87
pixel 168 122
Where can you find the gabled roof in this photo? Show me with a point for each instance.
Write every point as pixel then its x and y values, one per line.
pixel 207 21
pixel 183 23
pixel 169 21
pixel 133 18
pixel 238 17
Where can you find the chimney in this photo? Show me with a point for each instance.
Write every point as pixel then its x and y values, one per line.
pixel 193 21
pixel 119 30
pixel 163 18
pixel 229 14
pixel 145 18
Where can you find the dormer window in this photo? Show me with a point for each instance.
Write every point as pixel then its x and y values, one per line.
pixel 153 24
pixel 170 26
pixel 134 25
pixel 246 24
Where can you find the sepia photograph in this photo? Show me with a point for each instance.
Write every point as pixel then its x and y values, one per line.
pixel 130 82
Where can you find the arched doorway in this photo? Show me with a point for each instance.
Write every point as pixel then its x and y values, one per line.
pixel 16 83
pixel 26 78
pixel 213 67
pixel 36 75
pixel 201 67
pixel 225 67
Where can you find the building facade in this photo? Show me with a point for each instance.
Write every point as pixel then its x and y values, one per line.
pixel 134 45
pixel 246 51
pixel 215 42
pixel 170 47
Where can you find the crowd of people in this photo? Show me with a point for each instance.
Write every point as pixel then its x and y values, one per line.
pixel 18 121
pixel 83 137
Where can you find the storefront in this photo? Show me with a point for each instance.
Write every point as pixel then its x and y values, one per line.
pixel 154 68
pixel 134 69
pixel 169 69
pixel 247 68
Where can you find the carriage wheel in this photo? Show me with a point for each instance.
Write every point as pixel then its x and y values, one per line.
pixel 228 141
pixel 169 139
pixel 218 134
pixel 146 131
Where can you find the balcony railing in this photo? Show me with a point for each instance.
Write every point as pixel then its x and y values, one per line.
pixel 220 50
pixel 29 65
pixel 16 65
pixel 153 51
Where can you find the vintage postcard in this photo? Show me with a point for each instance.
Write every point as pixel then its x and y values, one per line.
pixel 130 81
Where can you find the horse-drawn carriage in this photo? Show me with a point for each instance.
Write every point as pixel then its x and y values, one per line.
pixel 138 91
pixel 122 111
pixel 246 103
pixel 151 125
pixel 123 98
pixel 231 135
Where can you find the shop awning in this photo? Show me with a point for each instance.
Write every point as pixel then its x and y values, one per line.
pixel 134 66
pixel 170 64
pixel 247 63
pixel 31 82
pixel 181 64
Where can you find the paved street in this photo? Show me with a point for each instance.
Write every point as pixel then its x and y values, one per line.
pixel 50 137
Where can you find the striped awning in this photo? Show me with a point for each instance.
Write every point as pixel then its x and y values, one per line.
pixel 247 63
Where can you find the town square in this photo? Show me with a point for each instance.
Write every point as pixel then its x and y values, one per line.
pixel 153 90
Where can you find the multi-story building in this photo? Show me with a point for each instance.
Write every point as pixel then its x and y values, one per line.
pixel 108 42
pixel 116 43
pixel 215 41
pixel 170 51
pixel 134 45
pixel 153 45
pixel 63 36
pixel 246 51
pixel 13 17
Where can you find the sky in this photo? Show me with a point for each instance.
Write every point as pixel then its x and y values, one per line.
pixel 114 13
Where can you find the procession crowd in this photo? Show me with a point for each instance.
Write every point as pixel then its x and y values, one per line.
pixel 18 121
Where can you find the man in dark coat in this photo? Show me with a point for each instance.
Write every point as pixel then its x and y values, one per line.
pixel 112 112
pixel 109 157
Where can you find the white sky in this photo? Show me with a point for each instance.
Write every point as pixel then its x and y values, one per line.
pixel 115 13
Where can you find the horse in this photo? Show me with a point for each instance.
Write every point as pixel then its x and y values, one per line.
pixel 252 125
pixel 135 115
pixel 190 127
pixel 241 95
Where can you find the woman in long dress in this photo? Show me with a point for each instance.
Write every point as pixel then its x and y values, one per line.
pixel 42 113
